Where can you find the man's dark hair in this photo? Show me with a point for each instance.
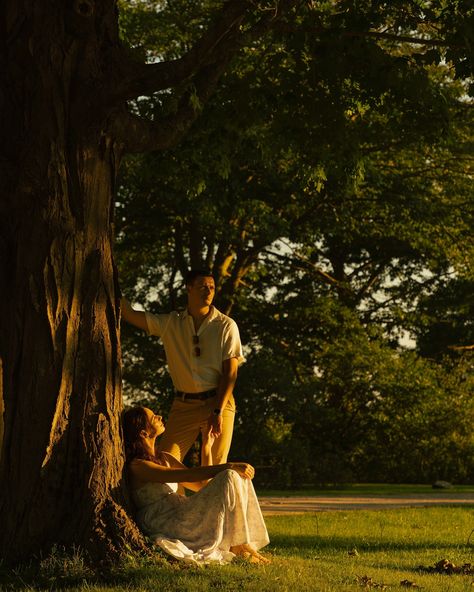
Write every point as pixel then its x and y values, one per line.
pixel 195 273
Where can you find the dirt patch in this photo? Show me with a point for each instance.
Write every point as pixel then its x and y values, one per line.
pixel 300 505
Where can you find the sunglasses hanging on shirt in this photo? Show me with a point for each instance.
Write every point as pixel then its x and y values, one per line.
pixel 197 349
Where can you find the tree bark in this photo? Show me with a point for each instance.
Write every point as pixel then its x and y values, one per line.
pixel 61 449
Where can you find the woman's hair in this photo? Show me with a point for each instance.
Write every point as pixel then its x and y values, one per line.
pixel 135 420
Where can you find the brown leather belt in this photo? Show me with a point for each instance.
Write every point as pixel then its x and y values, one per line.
pixel 196 396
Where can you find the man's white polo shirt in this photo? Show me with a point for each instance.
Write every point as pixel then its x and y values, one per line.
pixel 219 340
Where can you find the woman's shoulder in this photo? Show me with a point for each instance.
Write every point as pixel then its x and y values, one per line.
pixel 169 460
pixel 142 471
pixel 161 460
pixel 145 461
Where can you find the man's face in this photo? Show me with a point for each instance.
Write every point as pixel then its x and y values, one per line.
pixel 201 291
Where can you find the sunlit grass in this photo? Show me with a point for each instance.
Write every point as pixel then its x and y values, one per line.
pixel 387 546
pixel 327 552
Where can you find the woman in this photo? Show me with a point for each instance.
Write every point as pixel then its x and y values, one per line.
pixel 219 522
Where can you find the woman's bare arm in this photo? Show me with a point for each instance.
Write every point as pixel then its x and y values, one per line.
pixel 175 463
pixel 145 471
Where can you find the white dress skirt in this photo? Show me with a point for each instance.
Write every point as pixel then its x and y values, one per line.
pixel 201 528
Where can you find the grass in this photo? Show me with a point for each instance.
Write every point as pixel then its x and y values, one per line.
pixel 323 552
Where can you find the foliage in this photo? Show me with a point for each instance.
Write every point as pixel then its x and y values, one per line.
pixel 370 413
pixel 328 183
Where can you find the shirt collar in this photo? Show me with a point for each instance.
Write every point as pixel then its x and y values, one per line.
pixel 213 314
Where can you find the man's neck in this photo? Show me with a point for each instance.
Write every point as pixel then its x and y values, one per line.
pixel 199 314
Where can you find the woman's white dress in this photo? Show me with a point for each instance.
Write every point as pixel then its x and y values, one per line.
pixel 202 527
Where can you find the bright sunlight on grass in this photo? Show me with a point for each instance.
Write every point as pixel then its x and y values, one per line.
pixel 324 552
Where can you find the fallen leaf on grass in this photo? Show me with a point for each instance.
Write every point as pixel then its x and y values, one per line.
pixel 369 583
pixel 409 584
pixel 447 567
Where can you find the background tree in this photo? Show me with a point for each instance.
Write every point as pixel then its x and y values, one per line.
pixel 328 184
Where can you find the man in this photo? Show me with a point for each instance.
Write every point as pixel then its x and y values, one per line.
pixel 203 352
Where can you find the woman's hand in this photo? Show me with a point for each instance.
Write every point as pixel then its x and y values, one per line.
pixel 208 436
pixel 245 470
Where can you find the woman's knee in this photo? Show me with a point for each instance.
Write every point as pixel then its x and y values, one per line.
pixel 231 476
pixel 227 476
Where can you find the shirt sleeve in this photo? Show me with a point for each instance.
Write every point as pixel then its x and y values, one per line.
pixel 156 323
pixel 231 346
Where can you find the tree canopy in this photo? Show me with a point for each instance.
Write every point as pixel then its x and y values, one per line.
pixel 328 183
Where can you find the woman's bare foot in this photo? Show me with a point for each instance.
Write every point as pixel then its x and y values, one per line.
pixel 249 553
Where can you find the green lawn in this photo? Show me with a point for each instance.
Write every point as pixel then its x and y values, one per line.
pixel 331 551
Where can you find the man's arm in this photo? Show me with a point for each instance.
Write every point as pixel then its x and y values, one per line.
pixel 134 317
pixel 224 390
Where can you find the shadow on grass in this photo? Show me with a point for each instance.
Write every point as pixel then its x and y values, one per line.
pixel 129 579
pixel 310 543
pixel 139 573
pixel 145 579
pixel 64 571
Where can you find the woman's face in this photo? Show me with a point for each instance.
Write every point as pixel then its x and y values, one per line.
pixel 155 423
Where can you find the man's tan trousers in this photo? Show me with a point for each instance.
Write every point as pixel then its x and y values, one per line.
pixel 186 420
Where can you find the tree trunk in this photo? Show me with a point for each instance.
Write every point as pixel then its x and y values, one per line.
pixel 64 80
pixel 61 448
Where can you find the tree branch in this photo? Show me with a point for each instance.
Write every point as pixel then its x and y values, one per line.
pixel 284 28
pixel 202 66
pixel 403 38
pixel 195 244
pixel 180 259
pixel 305 265
pixel 143 135
pixel 375 275
pixel 461 347
pixel 131 79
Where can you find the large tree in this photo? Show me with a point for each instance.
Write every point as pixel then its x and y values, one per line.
pixel 66 80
